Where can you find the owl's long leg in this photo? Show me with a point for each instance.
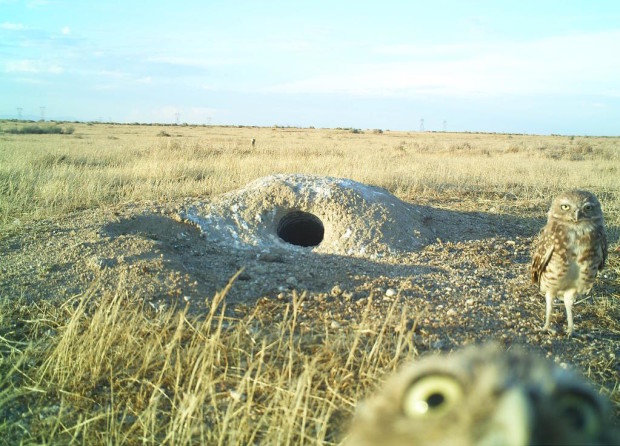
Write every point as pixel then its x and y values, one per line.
pixel 569 300
pixel 549 300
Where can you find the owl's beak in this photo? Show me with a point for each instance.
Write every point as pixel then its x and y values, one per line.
pixel 578 215
pixel 511 424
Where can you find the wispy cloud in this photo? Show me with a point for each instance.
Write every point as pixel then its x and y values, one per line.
pixel 33 4
pixel 29 81
pixel 12 26
pixel 194 61
pixel 555 65
pixel 111 73
pixel 32 66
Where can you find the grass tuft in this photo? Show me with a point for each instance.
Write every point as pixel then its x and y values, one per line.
pixel 115 370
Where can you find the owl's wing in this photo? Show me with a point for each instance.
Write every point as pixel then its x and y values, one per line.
pixel 541 256
pixel 603 241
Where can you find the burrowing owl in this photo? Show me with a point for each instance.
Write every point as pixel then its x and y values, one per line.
pixel 484 396
pixel 569 251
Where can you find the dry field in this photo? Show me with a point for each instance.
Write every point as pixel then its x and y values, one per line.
pixel 120 325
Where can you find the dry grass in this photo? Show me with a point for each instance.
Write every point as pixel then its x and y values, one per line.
pixel 48 175
pixel 115 371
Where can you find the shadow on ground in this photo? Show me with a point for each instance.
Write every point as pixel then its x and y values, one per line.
pixel 160 246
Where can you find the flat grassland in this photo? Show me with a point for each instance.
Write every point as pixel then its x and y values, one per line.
pixel 47 175
pixel 88 359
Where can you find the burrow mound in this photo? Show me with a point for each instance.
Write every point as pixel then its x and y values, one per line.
pixel 323 214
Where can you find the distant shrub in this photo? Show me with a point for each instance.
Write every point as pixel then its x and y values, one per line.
pixel 41 130
pixel 465 146
pixel 377 131
pixel 356 131
pixel 163 133
pixel 583 147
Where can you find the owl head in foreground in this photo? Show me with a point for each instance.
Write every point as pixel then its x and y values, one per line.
pixel 484 396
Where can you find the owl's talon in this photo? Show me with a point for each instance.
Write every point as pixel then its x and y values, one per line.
pixel 572 334
pixel 547 330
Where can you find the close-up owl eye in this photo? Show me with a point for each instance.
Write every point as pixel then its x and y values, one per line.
pixel 587 207
pixel 580 413
pixel 565 207
pixel 432 396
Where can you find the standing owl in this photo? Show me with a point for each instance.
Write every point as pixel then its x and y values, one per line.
pixel 484 396
pixel 569 251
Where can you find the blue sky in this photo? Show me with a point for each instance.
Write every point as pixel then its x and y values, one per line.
pixel 540 66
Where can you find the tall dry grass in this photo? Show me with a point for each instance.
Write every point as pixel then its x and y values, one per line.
pixel 47 175
pixel 114 372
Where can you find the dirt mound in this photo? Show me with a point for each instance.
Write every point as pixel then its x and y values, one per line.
pixel 328 215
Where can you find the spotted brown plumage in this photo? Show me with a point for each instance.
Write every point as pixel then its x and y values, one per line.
pixel 569 251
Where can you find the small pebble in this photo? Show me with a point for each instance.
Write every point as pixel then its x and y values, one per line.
pixel 237 396
pixel 336 291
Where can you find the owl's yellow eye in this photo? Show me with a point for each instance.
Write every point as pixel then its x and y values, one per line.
pixel 432 396
pixel 565 207
pixel 580 413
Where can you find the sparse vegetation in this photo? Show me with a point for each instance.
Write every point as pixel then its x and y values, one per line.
pixel 105 366
pixel 40 130
pixel 115 370
pixel 103 164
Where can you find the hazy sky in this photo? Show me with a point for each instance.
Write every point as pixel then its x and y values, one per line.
pixel 541 66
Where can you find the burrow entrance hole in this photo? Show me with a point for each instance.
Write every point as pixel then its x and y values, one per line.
pixel 301 228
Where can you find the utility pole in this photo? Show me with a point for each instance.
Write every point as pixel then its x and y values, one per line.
pixel 42 112
pixel 177 115
pixel 422 124
pixel 445 125
pixel 19 113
